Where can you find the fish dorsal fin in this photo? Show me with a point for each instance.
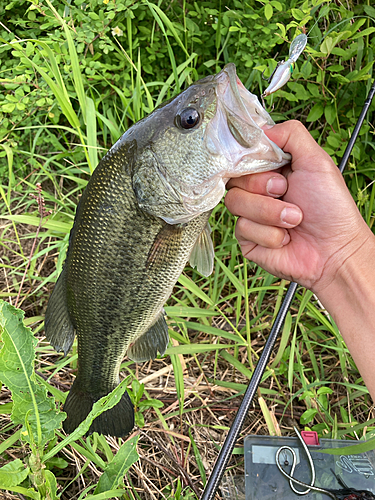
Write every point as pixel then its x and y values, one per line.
pixel 165 246
pixel 58 326
pixel 153 340
pixel 202 255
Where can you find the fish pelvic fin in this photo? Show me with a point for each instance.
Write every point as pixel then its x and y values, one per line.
pixel 202 255
pixel 153 340
pixel 58 326
pixel 118 421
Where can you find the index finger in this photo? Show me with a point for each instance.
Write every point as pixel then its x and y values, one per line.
pixel 265 183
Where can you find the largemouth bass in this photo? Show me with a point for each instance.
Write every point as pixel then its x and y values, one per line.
pixel 142 216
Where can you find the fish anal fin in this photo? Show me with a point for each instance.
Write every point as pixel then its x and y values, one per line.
pixel 118 421
pixel 58 326
pixel 165 245
pixel 146 346
pixel 202 255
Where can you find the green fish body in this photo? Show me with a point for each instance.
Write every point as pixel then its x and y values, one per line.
pixel 143 215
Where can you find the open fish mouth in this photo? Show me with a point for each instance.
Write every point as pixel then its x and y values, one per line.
pixel 236 138
pixel 236 132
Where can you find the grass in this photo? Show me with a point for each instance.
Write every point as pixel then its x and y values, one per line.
pixel 186 401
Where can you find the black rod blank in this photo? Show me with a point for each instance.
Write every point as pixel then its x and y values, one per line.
pixel 226 451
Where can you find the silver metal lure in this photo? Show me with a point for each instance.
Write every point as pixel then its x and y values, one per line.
pixel 284 69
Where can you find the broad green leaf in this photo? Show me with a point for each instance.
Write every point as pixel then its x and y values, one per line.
pixel 30 401
pixel 298 14
pixel 126 456
pixel 308 416
pixel 27 492
pixel 282 29
pixel 363 74
pixel 365 32
pixel 278 6
pixel 315 112
pixel 330 113
pixel 51 485
pixel 327 45
pixel 268 11
pixel 369 10
pixel 12 474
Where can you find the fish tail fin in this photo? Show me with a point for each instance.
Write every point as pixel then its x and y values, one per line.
pixel 57 324
pixel 118 421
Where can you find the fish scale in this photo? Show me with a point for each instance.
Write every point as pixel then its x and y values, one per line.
pixel 142 216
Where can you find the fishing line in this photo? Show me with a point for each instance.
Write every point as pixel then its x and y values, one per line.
pixel 230 441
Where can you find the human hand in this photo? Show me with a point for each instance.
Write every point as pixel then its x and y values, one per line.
pixel 324 228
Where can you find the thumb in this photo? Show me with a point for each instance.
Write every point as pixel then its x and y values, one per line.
pixel 293 137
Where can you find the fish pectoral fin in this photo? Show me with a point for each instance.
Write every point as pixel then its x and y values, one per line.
pixel 202 255
pixel 58 326
pixel 166 245
pixel 155 339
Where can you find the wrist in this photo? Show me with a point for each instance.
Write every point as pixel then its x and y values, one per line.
pixel 353 277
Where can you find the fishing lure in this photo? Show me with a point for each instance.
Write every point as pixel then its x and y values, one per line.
pixel 284 69
pixel 345 493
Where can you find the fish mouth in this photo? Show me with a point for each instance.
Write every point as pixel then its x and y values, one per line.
pixel 236 131
pixel 235 136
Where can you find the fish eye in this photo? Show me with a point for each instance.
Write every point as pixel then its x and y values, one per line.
pixel 188 118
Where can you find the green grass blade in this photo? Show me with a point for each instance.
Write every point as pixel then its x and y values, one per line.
pixel 198 458
pixel 192 287
pixel 91 132
pixel 179 380
pixel 61 227
pixel 103 404
pixel 161 18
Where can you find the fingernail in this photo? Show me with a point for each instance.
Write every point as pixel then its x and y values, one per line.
pixel 286 239
pixel 276 186
pixel 267 126
pixel 291 216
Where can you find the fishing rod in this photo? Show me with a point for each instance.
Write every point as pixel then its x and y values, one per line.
pixel 227 449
